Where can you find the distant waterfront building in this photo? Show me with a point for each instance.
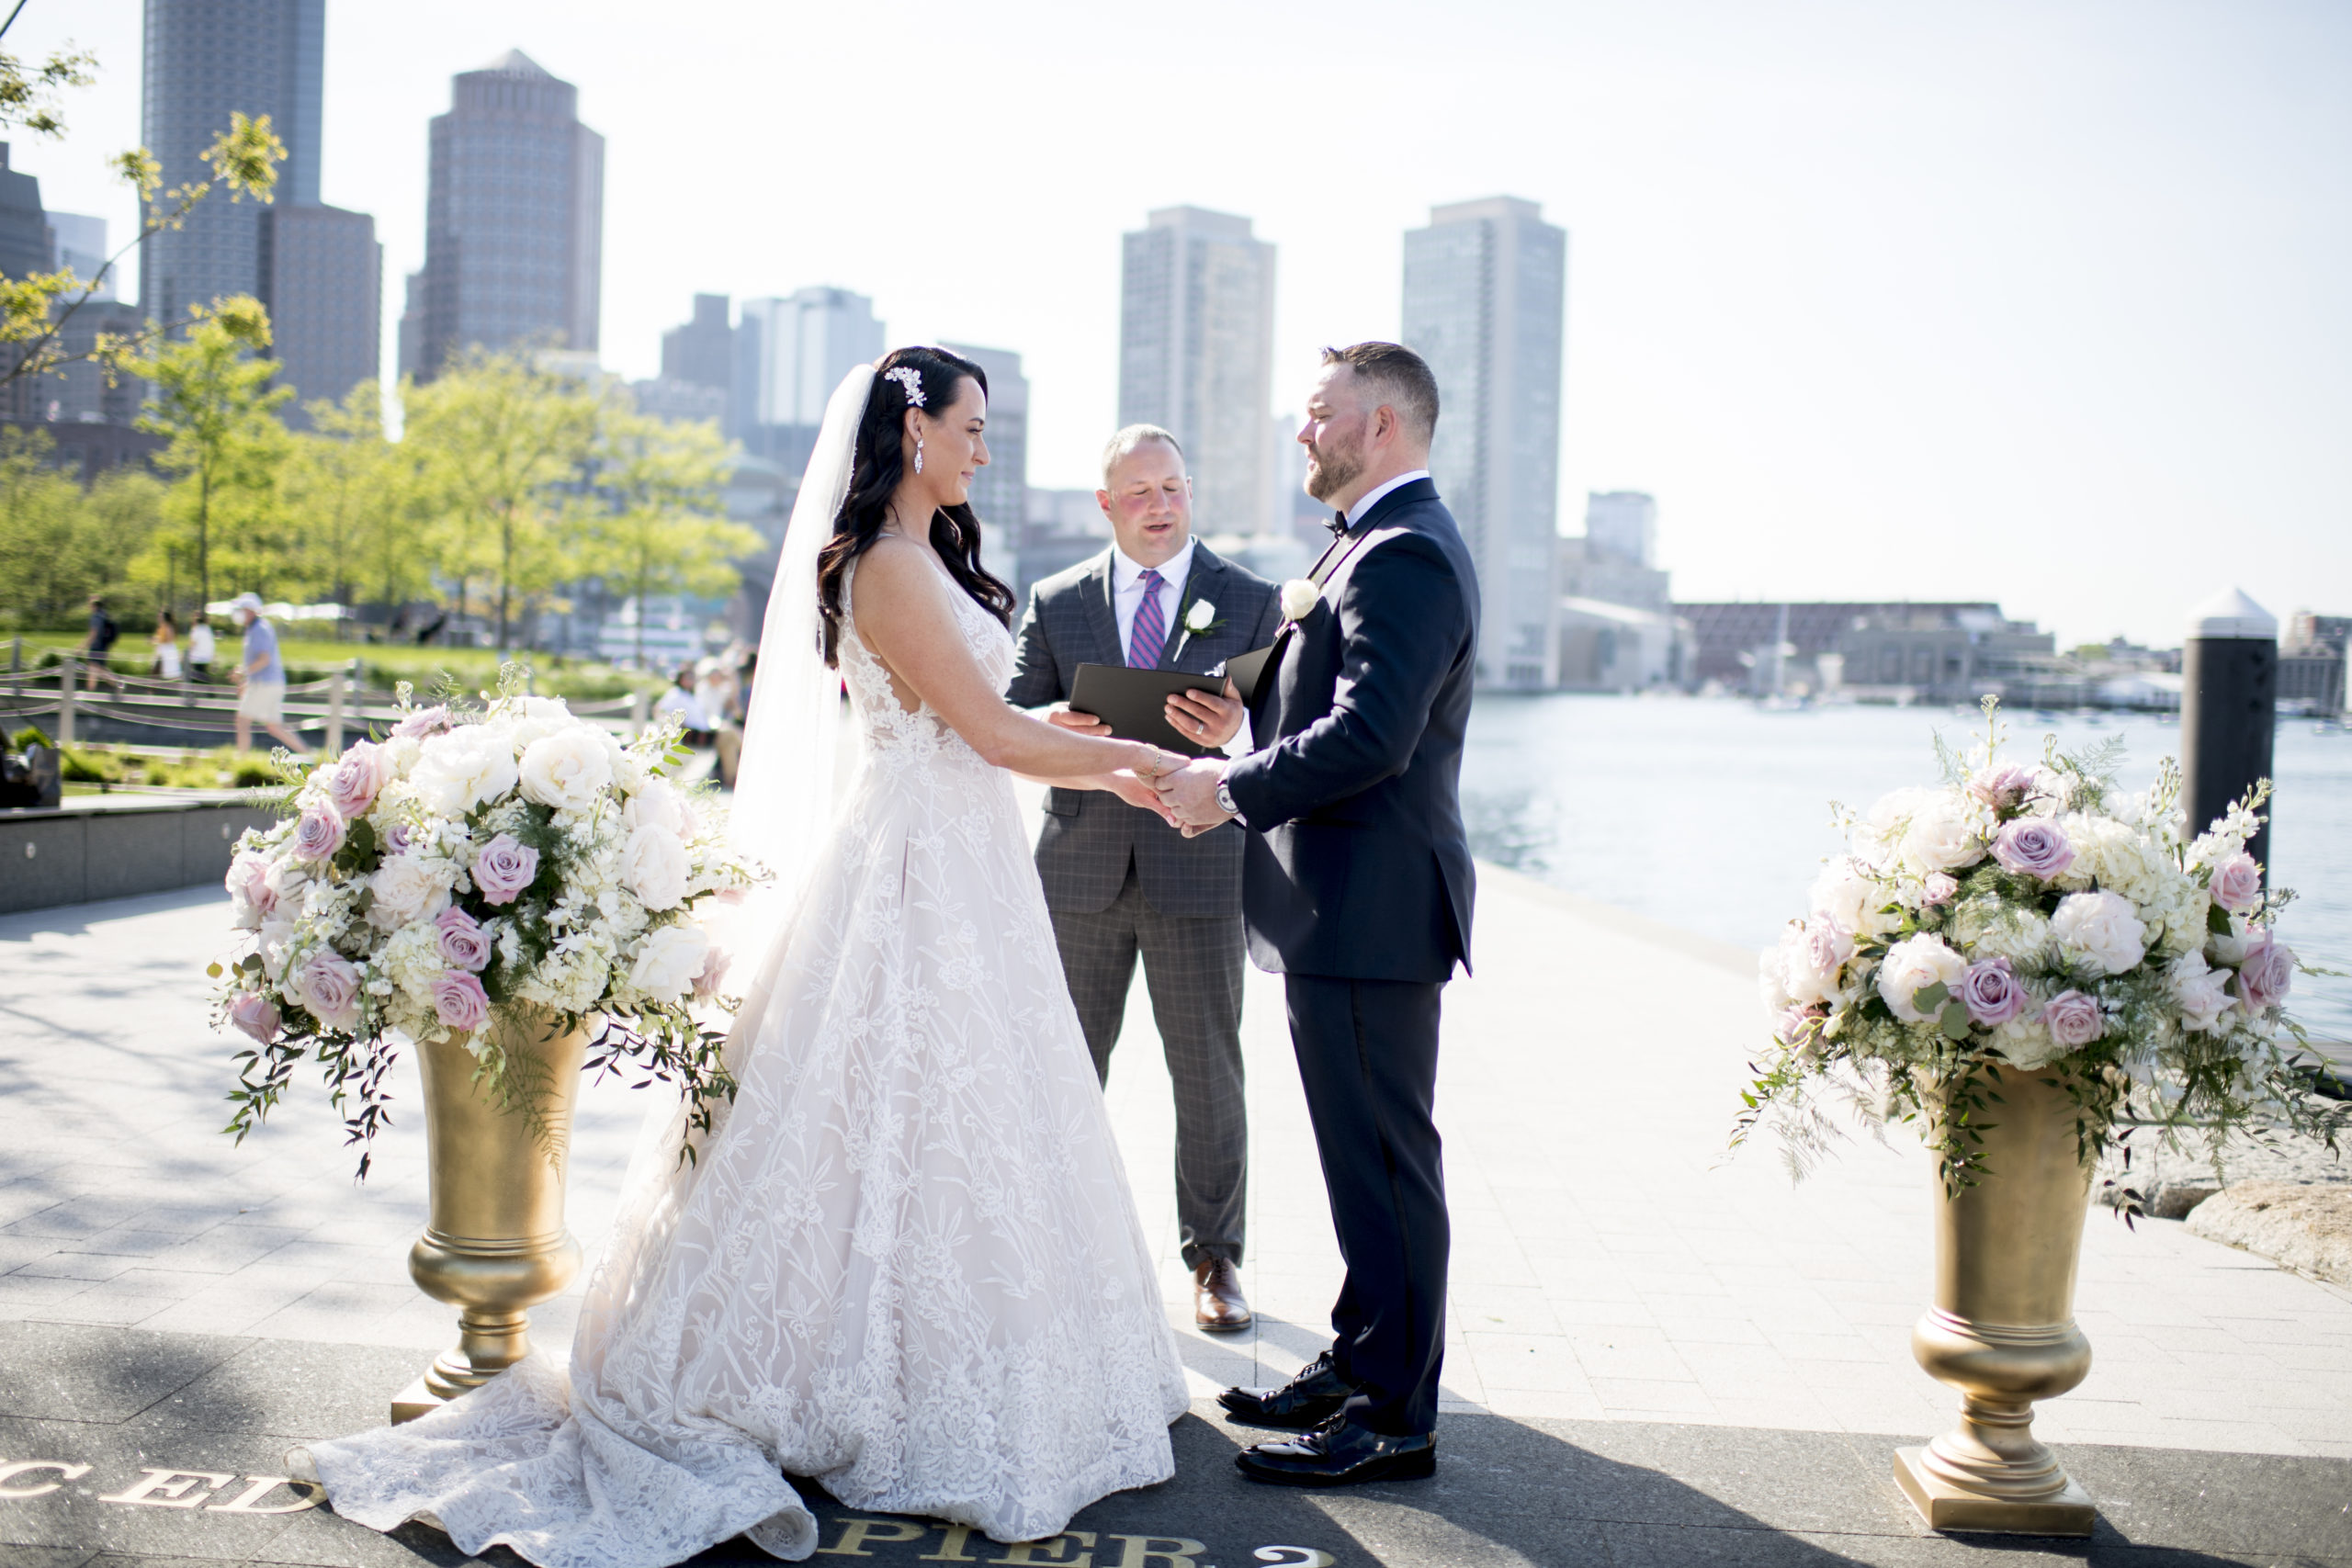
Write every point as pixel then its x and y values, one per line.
pixel 515 218
pixel 1059 528
pixel 701 353
pixel 1197 356
pixel 680 402
pixel 322 284
pixel 2312 659
pixel 1001 493
pixel 1622 525
pixel 1486 300
pixel 79 242
pixel 793 351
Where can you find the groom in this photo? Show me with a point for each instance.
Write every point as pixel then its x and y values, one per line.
pixel 1356 887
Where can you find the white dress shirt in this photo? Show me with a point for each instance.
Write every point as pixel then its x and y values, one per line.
pixel 1127 592
pixel 1373 500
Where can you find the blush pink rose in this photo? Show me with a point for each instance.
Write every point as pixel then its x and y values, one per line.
pixel 464 944
pixel 329 987
pixel 2266 975
pixel 1939 889
pixel 2237 883
pixel 251 1012
pixel 359 778
pixel 318 835
pixel 2002 789
pixel 504 868
pixel 422 723
pixel 2073 1018
pixel 460 1001
pixel 712 975
pixel 250 890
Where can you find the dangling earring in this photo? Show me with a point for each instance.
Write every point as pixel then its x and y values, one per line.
pixel 918 454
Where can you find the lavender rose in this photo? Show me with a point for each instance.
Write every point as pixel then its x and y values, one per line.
pixel 504 868
pixel 329 987
pixel 460 1001
pixel 422 723
pixel 2032 846
pixel 318 835
pixel 464 944
pixel 2073 1018
pixel 2002 789
pixel 1937 889
pixel 1993 994
pixel 251 1012
pixel 2267 975
pixel 359 778
pixel 2237 883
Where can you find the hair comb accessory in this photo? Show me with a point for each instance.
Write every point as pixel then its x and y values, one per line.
pixel 908 378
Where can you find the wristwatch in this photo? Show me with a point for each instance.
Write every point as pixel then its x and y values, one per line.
pixel 1225 800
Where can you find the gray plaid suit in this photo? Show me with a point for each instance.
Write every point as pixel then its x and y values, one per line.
pixel 1120 882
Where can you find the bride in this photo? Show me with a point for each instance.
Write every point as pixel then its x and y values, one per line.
pixel 904 1263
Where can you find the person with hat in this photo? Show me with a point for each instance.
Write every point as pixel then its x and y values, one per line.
pixel 261 677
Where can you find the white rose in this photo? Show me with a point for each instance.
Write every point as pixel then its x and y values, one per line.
pixel 1772 981
pixel 668 961
pixel 1879 836
pixel 1299 597
pixel 456 771
pixel 653 866
pixel 2197 987
pixel 277 938
pixel 657 804
pixel 567 770
pixel 1913 963
pixel 1848 896
pixel 1199 617
pixel 2101 928
pixel 1813 957
pixel 1940 836
pixel 406 888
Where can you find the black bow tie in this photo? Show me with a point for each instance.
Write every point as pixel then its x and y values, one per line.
pixel 1339 523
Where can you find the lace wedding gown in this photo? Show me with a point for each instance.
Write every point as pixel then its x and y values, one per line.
pixel 905 1264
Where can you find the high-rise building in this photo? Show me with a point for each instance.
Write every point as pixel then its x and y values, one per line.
pixel 1622 525
pixel 26 244
pixel 322 280
pixel 79 242
pixel 206 59
pixel 1486 301
pixel 794 352
pixel 1197 356
pixel 410 346
pixel 318 268
pixel 702 351
pixel 513 218
pixel 1001 493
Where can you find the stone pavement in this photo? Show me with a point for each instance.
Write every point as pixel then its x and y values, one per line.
pixel 1654 1354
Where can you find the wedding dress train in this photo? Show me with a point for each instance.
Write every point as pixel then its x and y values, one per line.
pixel 905 1262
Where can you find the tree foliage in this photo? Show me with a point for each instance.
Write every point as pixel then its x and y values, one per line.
pixel 214 401
pixel 59 543
pixel 662 528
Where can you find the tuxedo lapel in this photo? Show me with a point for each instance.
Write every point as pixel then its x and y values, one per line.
pixel 1346 544
pixel 1101 620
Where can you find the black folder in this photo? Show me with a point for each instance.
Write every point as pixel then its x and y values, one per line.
pixel 1246 670
pixel 1133 703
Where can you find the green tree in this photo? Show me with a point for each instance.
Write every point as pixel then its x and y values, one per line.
pixel 59 544
pixel 342 496
pixel 214 400
pixel 504 443
pixel 665 530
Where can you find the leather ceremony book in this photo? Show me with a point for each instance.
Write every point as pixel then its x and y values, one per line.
pixel 1133 703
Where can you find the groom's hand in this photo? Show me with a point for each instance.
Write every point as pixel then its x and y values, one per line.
pixel 1138 792
pixel 1191 795
pixel 1084 723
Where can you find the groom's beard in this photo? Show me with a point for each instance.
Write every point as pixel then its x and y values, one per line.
pixel 1332 469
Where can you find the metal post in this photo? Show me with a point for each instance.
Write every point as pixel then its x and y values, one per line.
pixel 636 714
pixel 334 711
pixel 65 700
pixel 2229 669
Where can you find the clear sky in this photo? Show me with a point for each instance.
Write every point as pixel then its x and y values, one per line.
pixel 2042 302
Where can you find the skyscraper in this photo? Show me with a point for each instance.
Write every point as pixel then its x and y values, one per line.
pixel 795 350
pixel 1486 300
pixel 26 243
pixel 81 244
pixel 1197 356
pixel 702 352
pixel 514 217
pixel 1000 494
pixel 318 268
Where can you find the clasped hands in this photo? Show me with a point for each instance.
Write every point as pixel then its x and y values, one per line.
pixel 1182 791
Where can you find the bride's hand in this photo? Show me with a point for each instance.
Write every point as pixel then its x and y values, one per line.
pixel 1138 792
pixel 1151 764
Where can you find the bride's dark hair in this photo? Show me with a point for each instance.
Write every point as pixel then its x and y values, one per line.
pixel 874 472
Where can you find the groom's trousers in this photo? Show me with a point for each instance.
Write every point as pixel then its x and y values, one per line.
pixel 1367 1055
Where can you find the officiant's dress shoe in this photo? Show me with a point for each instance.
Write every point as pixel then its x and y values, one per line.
pixel 1219 1305
pixel 1306 1401
pixel 1340 1454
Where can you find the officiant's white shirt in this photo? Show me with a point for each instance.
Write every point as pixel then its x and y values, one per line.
pixel 1127 591
pixel 1369 502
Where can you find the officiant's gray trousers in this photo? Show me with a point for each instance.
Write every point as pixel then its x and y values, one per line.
pixel 1192 967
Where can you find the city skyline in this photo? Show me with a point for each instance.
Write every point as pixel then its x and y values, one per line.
pixel 1981 277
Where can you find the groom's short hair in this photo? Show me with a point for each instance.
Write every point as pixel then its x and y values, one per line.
pixel 1116 450
pixel 1394 375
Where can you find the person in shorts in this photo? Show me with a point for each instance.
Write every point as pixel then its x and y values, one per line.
pixel 261 678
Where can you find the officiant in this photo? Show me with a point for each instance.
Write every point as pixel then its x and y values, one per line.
pixel 1120 882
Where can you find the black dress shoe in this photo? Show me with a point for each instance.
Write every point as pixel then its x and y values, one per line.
pixel 1340 1454
pixel 1306 1401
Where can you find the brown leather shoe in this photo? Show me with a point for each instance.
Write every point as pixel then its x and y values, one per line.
pixel 1219 1306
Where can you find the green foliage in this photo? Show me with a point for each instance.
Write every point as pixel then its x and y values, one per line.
pixel 223 767
pixel 29 100
pixel 665 530
pixel 59 543
pixel 214 400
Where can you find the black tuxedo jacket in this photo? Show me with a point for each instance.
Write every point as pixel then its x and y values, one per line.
pixel 1090 835
pixel 1358 866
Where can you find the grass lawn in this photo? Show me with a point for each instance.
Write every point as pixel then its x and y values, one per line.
pixel 380 664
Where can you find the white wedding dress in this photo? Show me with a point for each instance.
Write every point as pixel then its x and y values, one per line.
pixel 905 1263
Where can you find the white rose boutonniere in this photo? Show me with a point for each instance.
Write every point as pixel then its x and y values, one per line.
pixel 1299 597
pixel 1201 617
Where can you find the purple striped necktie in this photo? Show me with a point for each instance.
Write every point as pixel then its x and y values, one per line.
pixel 1149 634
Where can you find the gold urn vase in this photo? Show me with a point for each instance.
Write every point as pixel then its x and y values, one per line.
pixel 494 1243
pixel 2002 1330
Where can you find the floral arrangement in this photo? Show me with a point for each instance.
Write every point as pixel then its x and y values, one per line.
pixel 472 876
pixel 2036 918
